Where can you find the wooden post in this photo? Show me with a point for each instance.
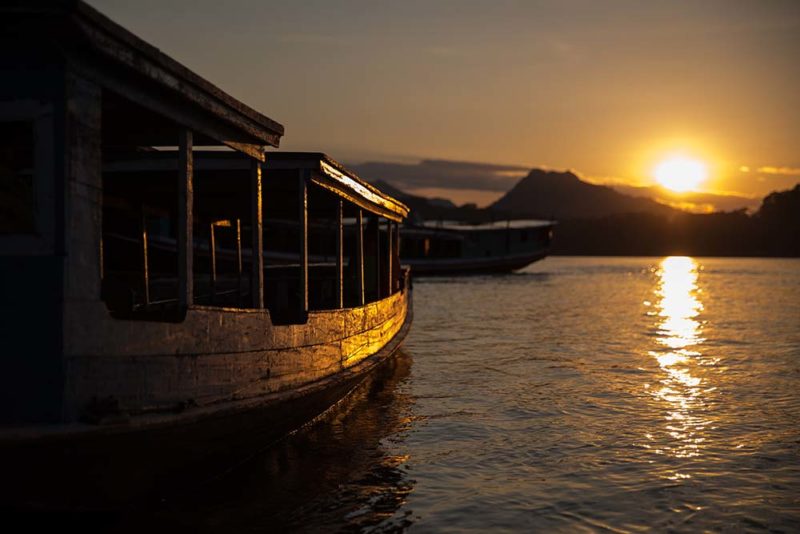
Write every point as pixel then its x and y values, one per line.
pixel 212 246
pixel 397 255
pixel 145 262
pixel 239 262
pixel 377 238
pixel 302 198
pixel 340 255
pixel 360 255
pixel 389 258
pixel 257 238
pixel 185 220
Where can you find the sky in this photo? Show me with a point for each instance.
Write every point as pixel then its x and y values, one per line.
pixel 607 89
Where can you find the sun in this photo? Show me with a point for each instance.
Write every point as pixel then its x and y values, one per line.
pixel 681 174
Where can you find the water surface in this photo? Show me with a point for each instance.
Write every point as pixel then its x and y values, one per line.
pixel 580 394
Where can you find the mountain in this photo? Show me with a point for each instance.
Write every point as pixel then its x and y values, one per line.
pixel 409 199
pixel 433 209
pixel 562 195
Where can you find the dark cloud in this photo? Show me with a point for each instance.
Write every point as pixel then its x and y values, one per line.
pixel 442 174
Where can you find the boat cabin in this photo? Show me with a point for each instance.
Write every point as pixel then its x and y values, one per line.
pixel 327 240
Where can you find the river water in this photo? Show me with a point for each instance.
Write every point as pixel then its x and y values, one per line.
pixel 597 394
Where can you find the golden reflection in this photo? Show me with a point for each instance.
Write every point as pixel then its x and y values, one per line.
pixel 680 391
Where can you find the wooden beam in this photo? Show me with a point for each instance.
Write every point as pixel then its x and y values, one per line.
pixel 257 238
pixel 397 256
pixel 340 254
pixel 389 255
pixel 377 238
pixel 185 220
pixel 360 256
pixel 239 262
pixel 145 261
pixel 212 247
pixel 302 197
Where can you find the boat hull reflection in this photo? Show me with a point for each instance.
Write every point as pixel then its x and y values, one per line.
pixel 338 473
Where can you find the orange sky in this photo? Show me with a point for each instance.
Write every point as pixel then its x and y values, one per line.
pixel 604 88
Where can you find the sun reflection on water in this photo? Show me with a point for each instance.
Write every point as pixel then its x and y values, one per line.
pixel 679 338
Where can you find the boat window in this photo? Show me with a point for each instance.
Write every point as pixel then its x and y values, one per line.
pixel 282 241
pixel 352 288
pixel 17 195
pixel 139 236
pixel 323 209
pixel 283 289
pixel 223 232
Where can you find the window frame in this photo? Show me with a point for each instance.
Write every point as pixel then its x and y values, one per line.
pixel 41 116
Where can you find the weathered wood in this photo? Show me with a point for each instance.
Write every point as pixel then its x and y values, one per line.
pixel 396 273
pixel 239 262
pixel 257 236
pixel 377 241
pixel 164 449
pixel 212 249
pixel 389 258
pixel 340 254
pixel 302 197
pixel 145 260
pixel 360 256
pixel 185 219
pixel 221 354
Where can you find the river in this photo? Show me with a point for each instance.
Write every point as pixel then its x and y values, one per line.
pixel 597 394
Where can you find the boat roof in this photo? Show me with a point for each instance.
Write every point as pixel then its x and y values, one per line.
pixel 324 171
pixel 119 58
pixel 332 175
pixel 495 225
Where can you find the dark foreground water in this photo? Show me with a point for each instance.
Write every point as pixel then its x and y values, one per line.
pixel 581 394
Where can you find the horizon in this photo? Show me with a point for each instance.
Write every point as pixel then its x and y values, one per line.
pixel 409 177
pixel 608 90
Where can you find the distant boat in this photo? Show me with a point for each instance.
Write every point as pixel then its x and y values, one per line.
pixel 453 248
pixel 150 337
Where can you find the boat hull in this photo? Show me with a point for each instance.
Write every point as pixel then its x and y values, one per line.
pixel 129 458
pixel 473 266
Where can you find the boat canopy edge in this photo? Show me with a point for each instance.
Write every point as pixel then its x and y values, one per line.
pixel 332 175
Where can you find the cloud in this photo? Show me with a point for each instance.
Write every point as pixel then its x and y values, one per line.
pixel 442 174
pixel 783 171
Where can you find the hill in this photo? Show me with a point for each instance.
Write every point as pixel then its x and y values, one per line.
pixel 562 195
pixel 774 230
pixel 431 209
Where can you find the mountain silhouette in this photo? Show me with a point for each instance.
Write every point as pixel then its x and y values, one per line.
pixel 563 195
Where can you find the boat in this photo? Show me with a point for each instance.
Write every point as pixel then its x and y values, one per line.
pixel 165 313
pixel 456 248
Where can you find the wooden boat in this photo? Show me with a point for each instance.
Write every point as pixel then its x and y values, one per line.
pixel 451 248
pixel 148 338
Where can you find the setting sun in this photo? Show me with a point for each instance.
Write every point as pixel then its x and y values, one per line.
pixel 681 174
